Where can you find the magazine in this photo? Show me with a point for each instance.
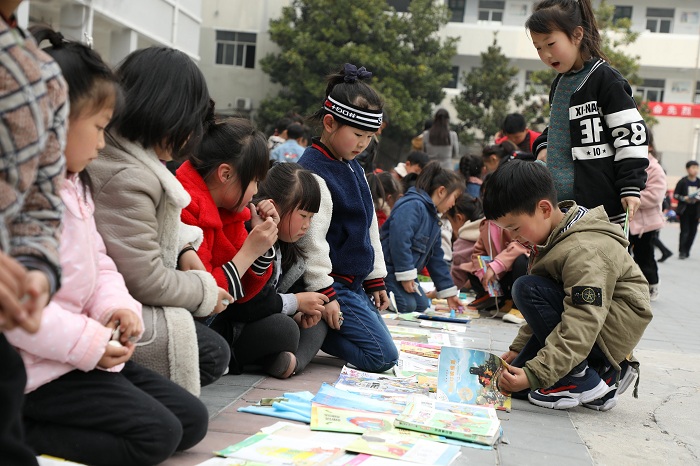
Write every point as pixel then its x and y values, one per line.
pixel 381 385
pixel 467 376
pixel 472 423
pixel 408 448
pixel 494 288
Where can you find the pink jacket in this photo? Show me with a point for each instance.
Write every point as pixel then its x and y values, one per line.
pixel 649 216
pixel 495 242
pixel 72 334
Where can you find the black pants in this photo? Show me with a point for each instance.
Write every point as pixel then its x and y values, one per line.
pixel 689 226
pixel 214 354
pixel 517 270
pixel 13 450
pixel 132 417
pixel 642 249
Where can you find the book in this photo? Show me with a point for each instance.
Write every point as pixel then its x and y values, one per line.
pixel 420 349
pixel 471 423
pixel 494 287
pixel 467 376
pixel 379 385
pixel 327 418
pixel 328 395
pixel 407 448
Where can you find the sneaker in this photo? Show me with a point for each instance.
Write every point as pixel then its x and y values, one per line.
pixel 570 391
pixel 514 317
pixel 609 400
pixel 653 292
pixel 482 303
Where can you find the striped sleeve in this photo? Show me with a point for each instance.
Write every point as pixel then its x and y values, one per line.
pixel 373 285
pixel 261 264
pixel 235 287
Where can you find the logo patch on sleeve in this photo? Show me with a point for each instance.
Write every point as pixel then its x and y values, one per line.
pixel 587 295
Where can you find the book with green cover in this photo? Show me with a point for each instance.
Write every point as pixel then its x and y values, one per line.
pixel 353 421
pixel 471 423
pixel 407 448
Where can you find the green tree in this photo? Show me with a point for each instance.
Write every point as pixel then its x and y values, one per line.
pixel 410 61
pixel 484 102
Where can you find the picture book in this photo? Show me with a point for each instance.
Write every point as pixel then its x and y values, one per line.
pixel 420 349
pixel 407 448
pixel 381 385
pixel 327 418
pixel 328 395
pixel 412 365
pixel 494 288
pixel 467 375
pixel 471 423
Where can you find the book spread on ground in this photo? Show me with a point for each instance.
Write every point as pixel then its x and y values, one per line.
pixel 407 448
pixel 353 421
pixel 467 376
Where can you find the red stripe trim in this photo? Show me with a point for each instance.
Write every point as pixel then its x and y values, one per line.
pixel 322 150
pixel 557 390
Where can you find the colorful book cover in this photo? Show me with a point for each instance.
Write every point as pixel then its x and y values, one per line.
pixel 353 421
pixel 455 420
pixel 404 447
pixel 494 288
pixel 384 386
pixel 328 395
pixel 412 365
pixel 420 349
pixel 467 376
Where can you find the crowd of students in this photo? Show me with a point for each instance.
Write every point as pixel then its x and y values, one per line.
pixel 161 284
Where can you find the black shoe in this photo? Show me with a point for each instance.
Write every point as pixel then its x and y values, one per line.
pixel 665 255
pixel 682 256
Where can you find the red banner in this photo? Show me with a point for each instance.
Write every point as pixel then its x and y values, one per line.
pixel 674 110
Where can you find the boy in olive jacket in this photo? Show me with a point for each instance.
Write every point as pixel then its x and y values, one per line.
pixel 585 300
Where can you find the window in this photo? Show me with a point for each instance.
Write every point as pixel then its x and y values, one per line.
pixel 491 10
pixel 457 9
pixel 401 6
pixel 651 90
pixel 235 48
pixel 660 19
pixel 454 82
pixel 622 12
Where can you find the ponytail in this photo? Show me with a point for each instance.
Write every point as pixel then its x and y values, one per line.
pixel 468 206
pixel 433 176
pixel 471 165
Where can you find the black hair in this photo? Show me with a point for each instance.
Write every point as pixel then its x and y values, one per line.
pixel 166 100
pixel 91 84
pixel 439 133
pixel 513 123
pixel 418 157
pixel 295 131
pixel 503 151
pixel 357 93
pixel 471 165
pixel 236 142
pixel 409 181
pixel 381 186
pixel 290 187
pixel 691 163
pixel 467 205
pixel 282 124
pixel 516 187
pixel 433 176
pixel 565 16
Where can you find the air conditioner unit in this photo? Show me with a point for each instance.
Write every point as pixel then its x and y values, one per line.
pixel 244 103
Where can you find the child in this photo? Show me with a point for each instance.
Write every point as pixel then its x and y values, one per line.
pixel 222 178
pixel 291 149
pixel 515 130
pixel 687 192
pixel 472 169
pixel 138 204
pixel 415 162
pixel 279 135
pixel 465 217
pixel 345 260
pixel 595 129
pixel 411 239
pixel 385 192
pixel 493 155
pixel 33 117
pixel 135 416
pixel 645 225
pixel 585 300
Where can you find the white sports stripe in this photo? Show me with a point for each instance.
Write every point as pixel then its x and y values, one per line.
pixel 374 114
pixel 632 152
pixel 623 117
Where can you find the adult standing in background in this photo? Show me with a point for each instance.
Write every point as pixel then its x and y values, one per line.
pixel 439 142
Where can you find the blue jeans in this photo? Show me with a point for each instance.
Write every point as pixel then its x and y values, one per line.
pixel 407 302
pixel 541 302
pixel 363 340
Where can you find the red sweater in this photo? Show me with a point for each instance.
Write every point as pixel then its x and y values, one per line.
pixel 224 234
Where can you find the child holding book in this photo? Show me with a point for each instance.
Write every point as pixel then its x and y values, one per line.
pixel 585 300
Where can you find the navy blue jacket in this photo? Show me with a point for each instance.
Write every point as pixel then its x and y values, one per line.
pixel 411 241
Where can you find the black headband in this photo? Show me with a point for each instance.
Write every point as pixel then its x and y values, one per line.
pixel 360 118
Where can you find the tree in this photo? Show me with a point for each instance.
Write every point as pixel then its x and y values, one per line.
pixel 484 102
pixel 410 62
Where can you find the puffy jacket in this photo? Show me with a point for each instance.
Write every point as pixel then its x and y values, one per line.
pixel 73 333
pixel 496 242
pixel 649 217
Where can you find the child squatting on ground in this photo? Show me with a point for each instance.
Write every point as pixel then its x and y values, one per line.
pixel 585 300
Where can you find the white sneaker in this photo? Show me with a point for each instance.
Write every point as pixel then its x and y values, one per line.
pixel 514 317
pixel 653 292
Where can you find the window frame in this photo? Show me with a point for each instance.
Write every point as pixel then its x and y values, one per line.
pixel 236 49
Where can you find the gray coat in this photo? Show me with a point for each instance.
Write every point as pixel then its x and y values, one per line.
pixel 138 204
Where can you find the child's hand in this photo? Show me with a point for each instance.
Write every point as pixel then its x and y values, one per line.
pixel 264 210
pixel 381 299
pixel 489 277
pixel 129 324
pixel 432 294
pixel 222 302
pixel 409 286
pixel 13 281
pixel 509 356
pixel 632 203
pixel 332 315
pixel 454 303
pixel 512 380
pixel 115 355
pixel 542 155
pixel 262 237
pixel 311 303
pixel 190 261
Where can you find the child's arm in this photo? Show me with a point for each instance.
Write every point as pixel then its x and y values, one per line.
pixel 503 262
pixel 374 283
pixel 440 272
pixel 539 147
pixel 402 236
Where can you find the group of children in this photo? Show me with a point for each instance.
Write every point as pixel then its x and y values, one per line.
pixel 169 282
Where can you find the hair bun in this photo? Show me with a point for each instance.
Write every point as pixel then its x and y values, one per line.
pixel 352 73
